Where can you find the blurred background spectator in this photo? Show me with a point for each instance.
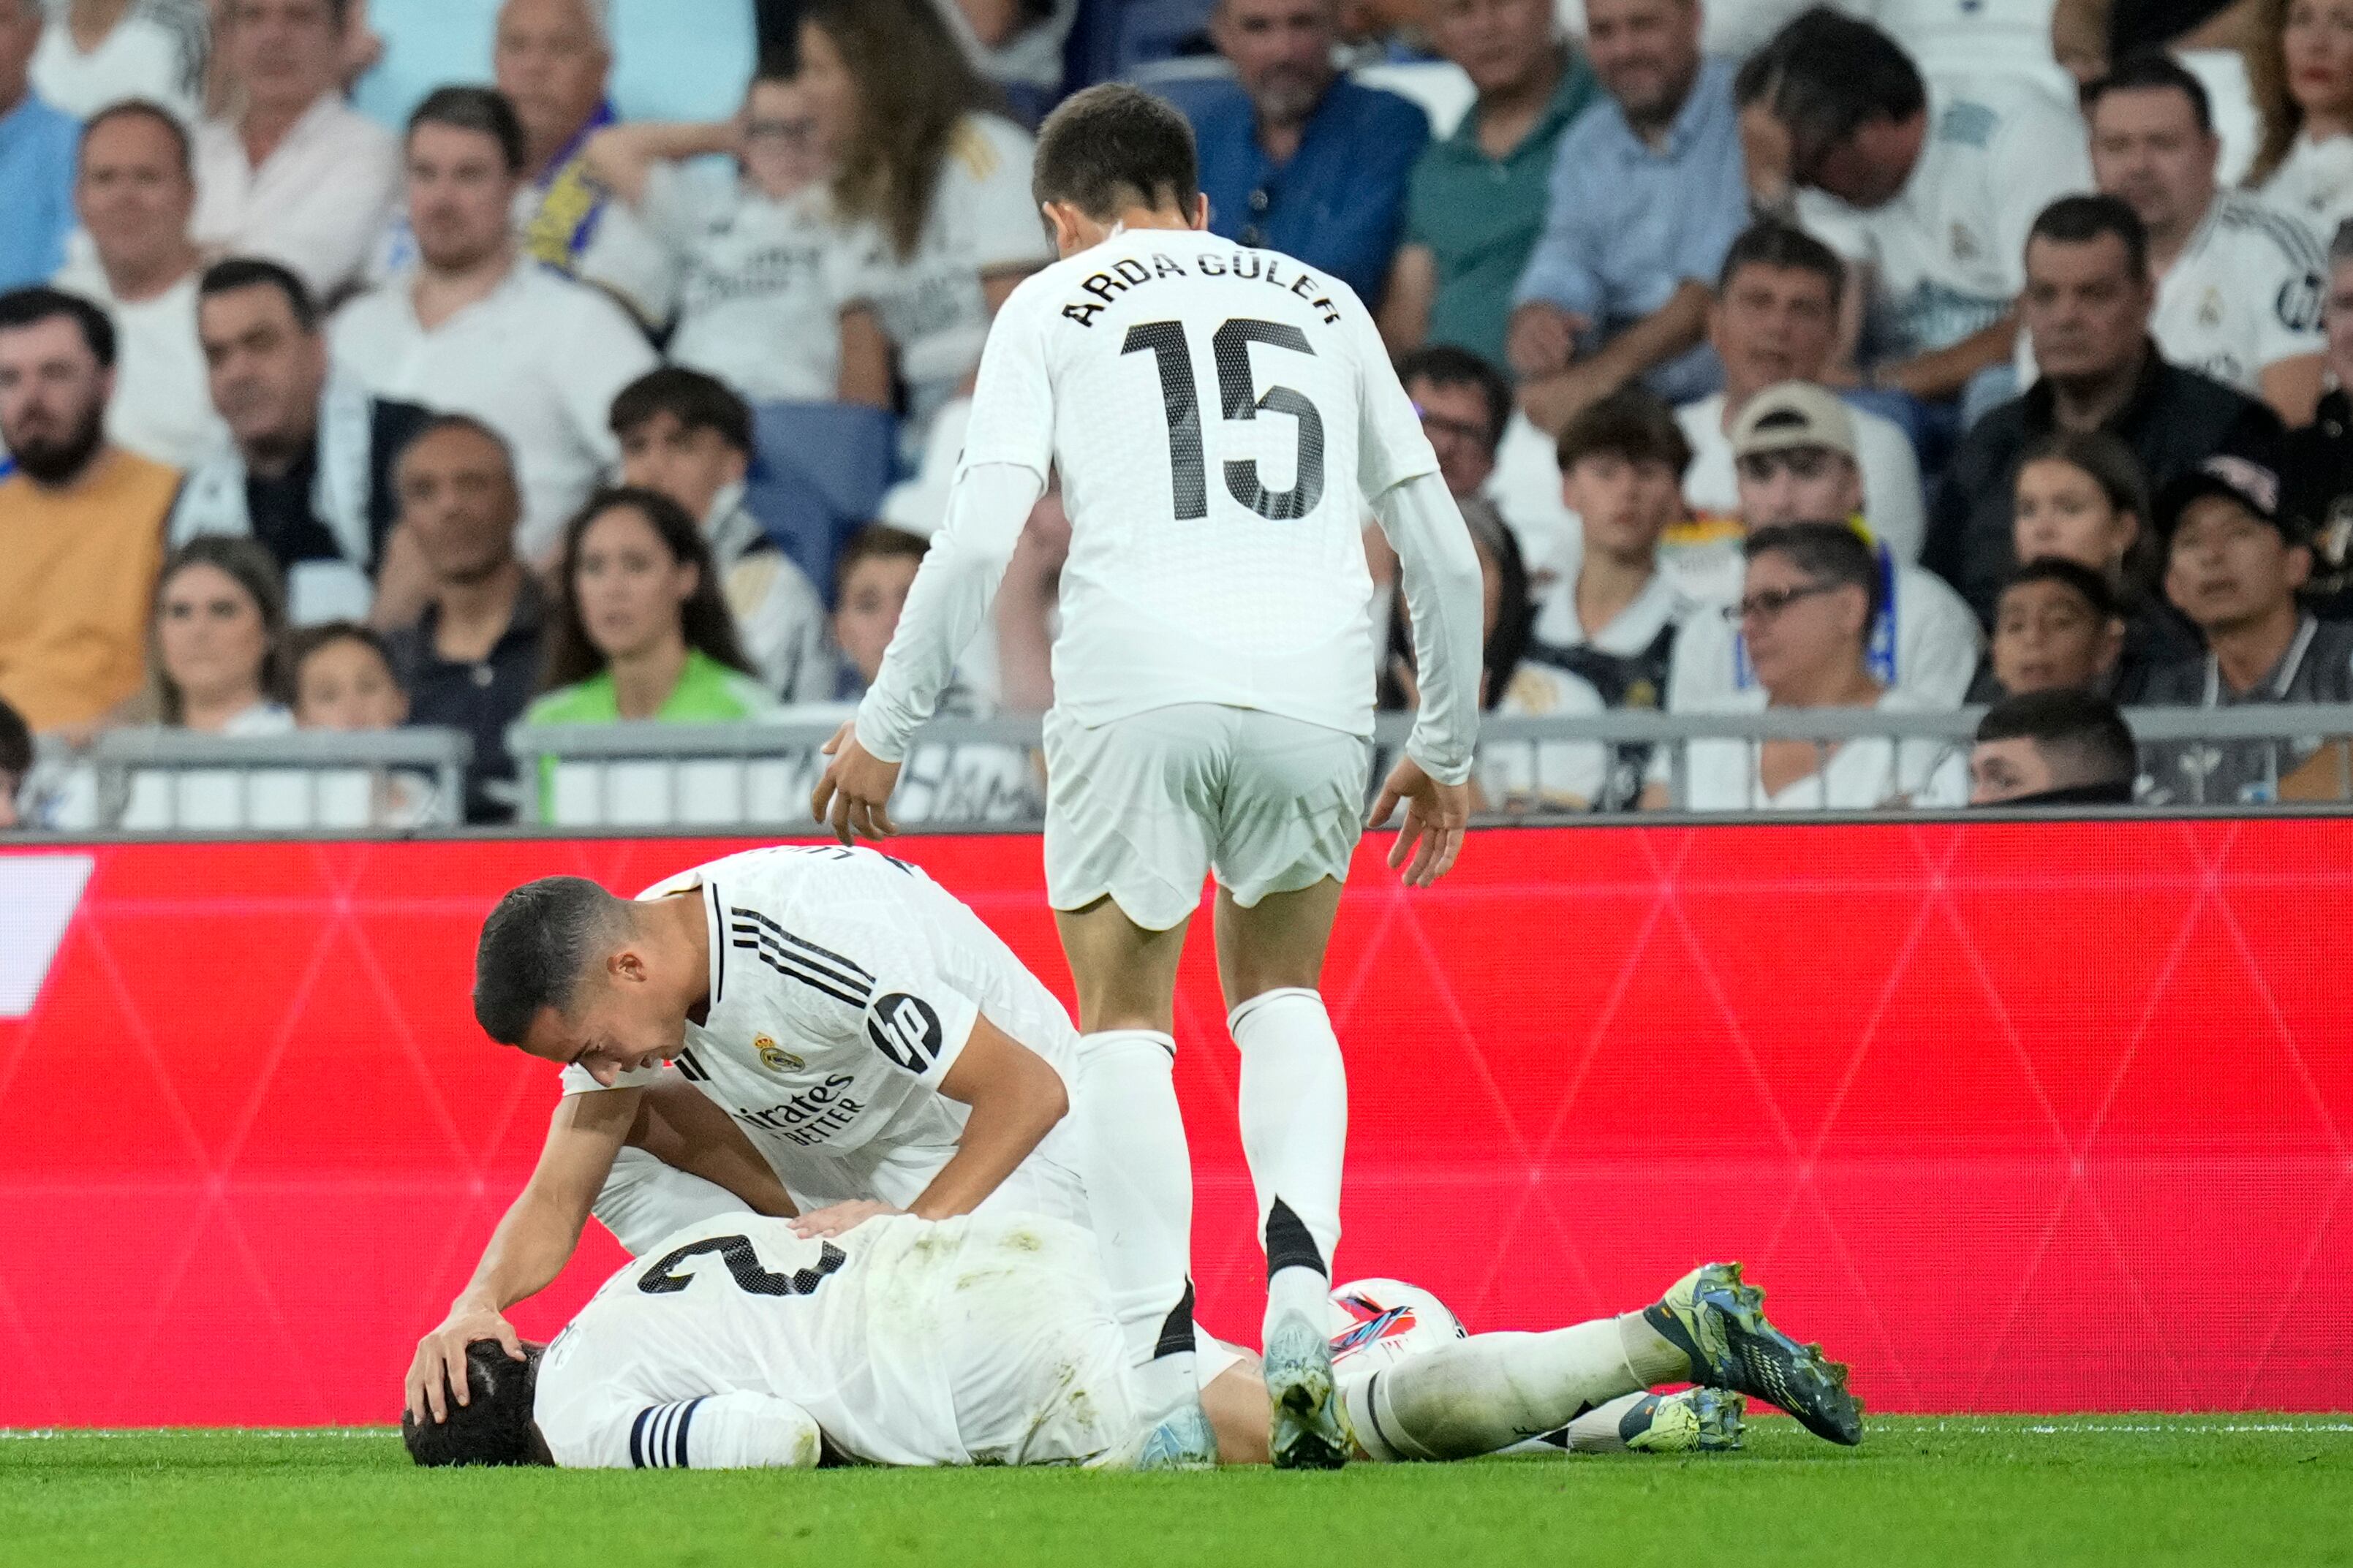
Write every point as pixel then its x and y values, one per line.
pixel 305 464
pixel 480 329
pixel 1018 45
pixel 471 661
pixel 871 577
pixel 2055 624
pixel 217 641
pixel 135 191
pixel 686 435
pixel 1464 402
pixel 293 172
pixel 2303 83
pixel 95 54
pixel 2056 748
pixel 16 764
pixel 2316 462
pixel 339 676
pixel 37 157
pixel 81 521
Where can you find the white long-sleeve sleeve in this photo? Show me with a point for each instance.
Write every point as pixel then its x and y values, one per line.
pixel 1445 595
pixel 987 509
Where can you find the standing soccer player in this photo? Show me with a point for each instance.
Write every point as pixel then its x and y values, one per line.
pixel 1213 413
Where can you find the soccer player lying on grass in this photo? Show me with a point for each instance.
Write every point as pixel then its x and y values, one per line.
pixel 878 1047
pixel 991 1339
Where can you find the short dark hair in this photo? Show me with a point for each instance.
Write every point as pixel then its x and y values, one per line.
pixel 304 641
pixel 144 109
pixel 16 743
pixel 2154 70
pixel 22 308
pixel 1632 423
pixel 494 1426
pixel 696 401
pixel 481 110
pixel 2086 584
pixel 1827 552
pixel 2079 734
pixel 2081 219
pixel 536 949
pixel 1771 242
pixel 438 423
pixel 1445 364
pixel 875 541
pixel 1115 146
pixel 1825 76
pixel 237 272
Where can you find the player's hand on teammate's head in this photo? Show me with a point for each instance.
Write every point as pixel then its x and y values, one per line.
pixel 1436 818
pixel 853 797
pixel 838 1218
pixel 440 1365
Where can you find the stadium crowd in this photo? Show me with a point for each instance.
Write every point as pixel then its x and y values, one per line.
pixel 1892 355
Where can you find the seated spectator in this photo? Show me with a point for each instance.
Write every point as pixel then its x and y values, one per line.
pixel 2239 284
pixel 764 271
pixel 2086 309
pixel 1928 188
pixel 1464 402
pixel 2056 625
pixel 1974 38
pixel 472 660
pixel 215 641
pixel 2305 90
pixel 871 579
pixel 480 329
pixel 2064 747
pixel 81 521
pixel 1017 45
pixel 1295 156
pixel 553 61
pixel 16 764
pixel 1646 197
pixel 688 437
pixel 304 463
pixel 939 186
pixel 1807 604
pixel 1475 199
pixel 340 677
pixel 2080 498
pixel 1794 449
pixel 95 54
pixel 2234 564
pixel 296 175
pixel 2316 462
pixel 135 191
pixel 36 158
pixel 1775 319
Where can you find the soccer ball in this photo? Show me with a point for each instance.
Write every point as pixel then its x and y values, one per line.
pixel 1376 1323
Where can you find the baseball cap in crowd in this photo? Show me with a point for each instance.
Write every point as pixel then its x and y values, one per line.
pixel 2253 485
pixel 1794 414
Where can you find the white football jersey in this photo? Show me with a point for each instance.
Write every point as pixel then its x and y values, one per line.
pixel 1218 416
pixel 2245 292
pixel 734 1344
pixel 844 984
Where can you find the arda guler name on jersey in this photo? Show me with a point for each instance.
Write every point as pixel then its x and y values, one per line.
pixel 1241 263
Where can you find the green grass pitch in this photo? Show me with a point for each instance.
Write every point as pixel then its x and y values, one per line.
pixel 2269 1491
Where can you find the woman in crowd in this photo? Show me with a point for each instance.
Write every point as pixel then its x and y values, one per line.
pixel 96 53
pixel 2055 627
pixel 1805 613
pixel 2304 88
pixel 937 184
pixel 215 640
pixel 2079 496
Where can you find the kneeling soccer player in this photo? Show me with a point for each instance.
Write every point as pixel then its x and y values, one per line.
pixel 991 1339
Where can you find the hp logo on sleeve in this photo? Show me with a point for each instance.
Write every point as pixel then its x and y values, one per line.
pixel 905 1029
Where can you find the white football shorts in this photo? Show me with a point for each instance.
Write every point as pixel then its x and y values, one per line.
pixel 1144 807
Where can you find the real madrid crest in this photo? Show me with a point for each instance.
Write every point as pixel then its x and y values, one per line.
pixel 775 1057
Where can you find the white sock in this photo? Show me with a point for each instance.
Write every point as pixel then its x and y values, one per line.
pixel 1490 1392
pixel 1139 1179
pixel 1294 1122
pixel 1595 1432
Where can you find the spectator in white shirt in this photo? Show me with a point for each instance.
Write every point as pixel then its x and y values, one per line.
pixel 2239 283
pixel 1809 600
pixel 765 269
pixel 481 329
pixel 1775 320
pixel 134 190
pixel 686 435
pixel 2305 162
pixel 95 54
pixel 298 176
pixel 1794 449
pixel 215 640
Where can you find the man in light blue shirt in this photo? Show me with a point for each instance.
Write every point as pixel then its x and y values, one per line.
pixel 37 159
pixel 1648 193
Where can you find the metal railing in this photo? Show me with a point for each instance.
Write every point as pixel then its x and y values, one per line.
pixel 175 781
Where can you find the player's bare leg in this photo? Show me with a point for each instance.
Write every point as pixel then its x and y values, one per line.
pixel 1138 1173
pixel 1295 1126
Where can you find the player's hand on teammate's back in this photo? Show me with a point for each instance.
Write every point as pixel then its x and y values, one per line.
pixel 1436 816
pixel 838 1218
pixel 854 795
pixel 441 1354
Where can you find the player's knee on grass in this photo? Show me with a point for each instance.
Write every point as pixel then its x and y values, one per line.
pixel 495 1428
